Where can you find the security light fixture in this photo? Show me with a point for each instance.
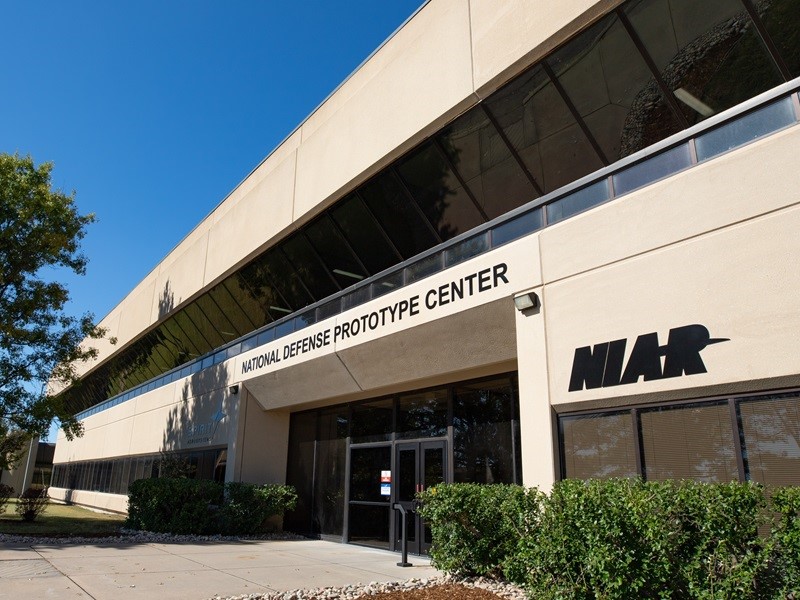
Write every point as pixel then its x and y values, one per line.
pixel 234 389
pixel 526 300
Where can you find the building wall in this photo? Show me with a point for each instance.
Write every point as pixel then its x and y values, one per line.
pixel 711 246
pixel 448 55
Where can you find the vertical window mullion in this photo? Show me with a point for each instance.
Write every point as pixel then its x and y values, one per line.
pixel 738 446
pixel 637 443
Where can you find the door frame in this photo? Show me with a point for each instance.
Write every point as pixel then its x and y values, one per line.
pixel 418 545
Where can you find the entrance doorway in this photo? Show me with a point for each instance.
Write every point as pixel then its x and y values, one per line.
pixel 418 466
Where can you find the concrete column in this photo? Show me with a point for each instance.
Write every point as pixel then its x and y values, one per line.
pixel 535 414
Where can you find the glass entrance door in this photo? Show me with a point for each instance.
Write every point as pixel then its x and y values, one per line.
pixel 418 466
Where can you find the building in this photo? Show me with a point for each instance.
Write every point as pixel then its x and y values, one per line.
pixel 33 469
pixel 525 240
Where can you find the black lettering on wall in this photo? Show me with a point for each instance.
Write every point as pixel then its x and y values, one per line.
pixel 601 365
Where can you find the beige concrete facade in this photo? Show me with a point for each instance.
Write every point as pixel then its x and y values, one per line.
pixel 435 67
pixel 713 246
pixel 669 255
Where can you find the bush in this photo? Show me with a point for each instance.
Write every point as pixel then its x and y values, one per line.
pixel 617 538
pixel 248 507
pixel 201 506
pixel 32 503
pixel 475 527
pixel 6 491
pixel 622 538
pixel 167 505
pixel 786 537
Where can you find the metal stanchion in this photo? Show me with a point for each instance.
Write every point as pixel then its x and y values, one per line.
pixel 404 539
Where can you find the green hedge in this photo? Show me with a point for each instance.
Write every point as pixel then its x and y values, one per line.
pixel 199 506
pixel 622 538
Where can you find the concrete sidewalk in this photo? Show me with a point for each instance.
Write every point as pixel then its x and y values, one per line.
pixel 192 571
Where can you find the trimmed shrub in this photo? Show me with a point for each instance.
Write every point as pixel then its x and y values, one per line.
pixel 32 503
pixel 622 538
pixel 786 537
pixel 6 491
pixel 248 507
pixel 174 505
pixel 201 506
pixel 475 527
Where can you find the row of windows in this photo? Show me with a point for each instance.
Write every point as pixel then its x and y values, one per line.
pixel 642 73
pixel 747 439
pixel 113 476
pixel 478 420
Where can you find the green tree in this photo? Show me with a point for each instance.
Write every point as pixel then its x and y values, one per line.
pixel 40 344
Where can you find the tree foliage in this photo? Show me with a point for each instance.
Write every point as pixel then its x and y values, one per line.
pixel 40 343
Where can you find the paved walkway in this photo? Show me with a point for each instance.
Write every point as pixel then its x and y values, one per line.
pixel 192 571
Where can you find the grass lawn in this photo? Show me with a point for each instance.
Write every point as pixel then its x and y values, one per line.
pixel 61 520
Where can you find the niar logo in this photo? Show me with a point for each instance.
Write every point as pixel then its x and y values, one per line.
pixel 601 365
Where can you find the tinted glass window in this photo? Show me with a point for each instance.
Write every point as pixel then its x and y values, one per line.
pixel 398 214
pixel 771 432
pixel 422 415
pixel 486 164
pixel 244 297
pixel 284 278
pixel 364 235
pixel 203 325
pixel 539 125
pixel 300 469
pixel 483 444
pixel 782 21
pixel 308 267
pixel 232 310
pixel 329 471
pixel 694 442
pixel 219 320
pixel 598 446
pixel 610 86
pixel 708 53
pixel 372 422
pixel 257 279
pixel 335 252
pixel 437 190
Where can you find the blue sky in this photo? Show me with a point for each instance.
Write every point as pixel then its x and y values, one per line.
pixel 153 111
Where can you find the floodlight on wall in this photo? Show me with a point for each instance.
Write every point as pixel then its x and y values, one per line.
pixel 234 389
pixel 526 301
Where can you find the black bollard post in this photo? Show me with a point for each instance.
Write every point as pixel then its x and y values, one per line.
pixel 404 539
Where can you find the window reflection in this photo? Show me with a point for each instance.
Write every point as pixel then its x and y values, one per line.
pixel 598 446
pixel 364 235
pixel 708 53
pixel 771 435
pixel 483 445
pixel 694 442
pixel 612 89
pixel 438 192
pixel 486 164
pixel 539 125
pixel 422 415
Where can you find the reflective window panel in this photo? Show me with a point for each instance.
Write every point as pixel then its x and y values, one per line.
pixel 423 414
pixel 688 442
pixel 483 445
pixel 612 89
pixel 447 205
pixel 598 446
pixel 708 53
pixel 484 161
pixel 539 125
pixel 771 439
